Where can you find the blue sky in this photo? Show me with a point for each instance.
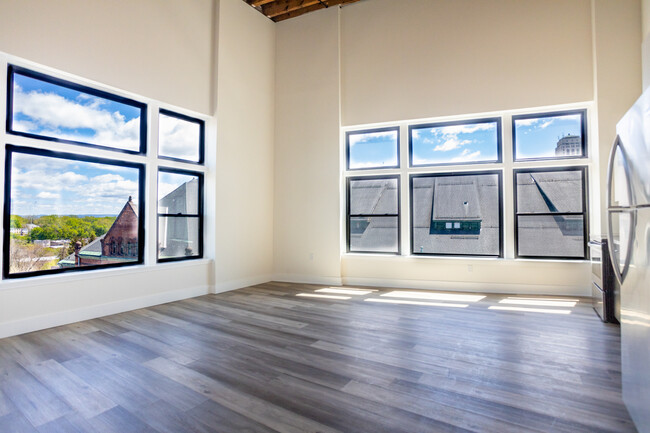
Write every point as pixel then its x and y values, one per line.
pixel 373 149
pixel 538 137
pixel 455 143
pixel 46 186
pixel 47 109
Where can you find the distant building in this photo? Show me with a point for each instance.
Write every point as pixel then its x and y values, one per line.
pixel 177 236
pixel 570 145
pixel 119 244
pixel 23 231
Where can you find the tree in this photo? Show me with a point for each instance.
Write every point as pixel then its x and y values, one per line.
pixel 24 257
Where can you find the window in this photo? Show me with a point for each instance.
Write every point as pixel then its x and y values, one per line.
pixel 376 148
pixel 180 137
pixel 550 135
pixel 551 213
pixel 373 214
pixel 74 210
pixel 464 142
pixel 180 214
pixel 456 214
pixel 40 106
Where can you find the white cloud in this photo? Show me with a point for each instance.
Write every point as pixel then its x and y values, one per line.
pixel 372 136
pixel 49 112
pixel 467 155
pixel 48 195
pixel 179 138
pixel 451 144
pixel 467 128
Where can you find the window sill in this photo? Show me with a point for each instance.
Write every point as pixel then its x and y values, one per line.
pixel 44 280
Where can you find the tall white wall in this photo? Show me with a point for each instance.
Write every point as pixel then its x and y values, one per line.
pixel 159 50
pixel 245 114
pixel 418 59
pixel 645 16
pixel 306 149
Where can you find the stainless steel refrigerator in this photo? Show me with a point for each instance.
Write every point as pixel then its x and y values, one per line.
pixel 628 201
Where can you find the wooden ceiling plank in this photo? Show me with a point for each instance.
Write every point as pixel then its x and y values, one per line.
pixel 280 7
pixel 256 3
pixel 312 8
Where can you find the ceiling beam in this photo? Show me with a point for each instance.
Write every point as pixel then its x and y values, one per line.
pixel 256 3
pixel 281 7
pixel 315 7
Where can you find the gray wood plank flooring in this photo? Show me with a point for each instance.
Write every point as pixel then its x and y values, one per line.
pixel 262 359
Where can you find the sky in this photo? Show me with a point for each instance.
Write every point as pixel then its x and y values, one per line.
pixel 47 186
pixel 373 149
pixel 54 111
pixel 538 137
pixel 454 143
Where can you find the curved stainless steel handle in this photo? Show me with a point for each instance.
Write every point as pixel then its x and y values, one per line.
pixel 619 271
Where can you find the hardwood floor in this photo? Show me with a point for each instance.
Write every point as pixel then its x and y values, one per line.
pixel 262 359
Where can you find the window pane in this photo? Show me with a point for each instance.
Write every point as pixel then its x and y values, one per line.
pixel 551 236
pixel 456 215
pixel 374 149
pixel 179 138
pixel 373 196
pixel 68 113
pixel 374 234
pixel 552 136
pixel 446 143
pixel 178 193
pixel 549 192
pixel 178 237
pixel 68 214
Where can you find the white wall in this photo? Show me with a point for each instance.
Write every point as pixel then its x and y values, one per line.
pixel 645 16
pixel 420 58
pixel 162 52
pixel 617 40
pixel 306 149
pixel 245 113
pixel 214 57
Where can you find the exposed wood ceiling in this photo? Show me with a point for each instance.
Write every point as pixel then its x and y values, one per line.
pixel 280 10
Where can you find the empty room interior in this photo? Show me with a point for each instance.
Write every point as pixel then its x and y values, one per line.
pixel 325 216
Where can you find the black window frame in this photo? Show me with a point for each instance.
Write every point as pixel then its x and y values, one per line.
pixel 496 120
pixel 498 172
pixel 583 133
pixel 199 215
pixel 11 149
pixel 397 215
pixel 13 69
pixel 201 142
pixel 585 211
pixel 371 131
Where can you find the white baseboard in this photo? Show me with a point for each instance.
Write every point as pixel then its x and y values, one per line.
pixel 452 286
pixel 308 279
pixel 243 282
pixel 37 323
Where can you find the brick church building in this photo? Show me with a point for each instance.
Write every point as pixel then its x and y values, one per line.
pixel 119 244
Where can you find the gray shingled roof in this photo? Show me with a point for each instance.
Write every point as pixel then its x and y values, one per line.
pixel 562 190
pixel 456 198
pixel 373 196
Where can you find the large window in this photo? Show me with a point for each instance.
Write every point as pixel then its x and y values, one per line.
pixel 551 213
pixel 456 214
pixel 452 210
pixel 180 214
pixel 463 142
pixel 66 211
pixel 41 106
pixel 68 208
pixel 373 214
